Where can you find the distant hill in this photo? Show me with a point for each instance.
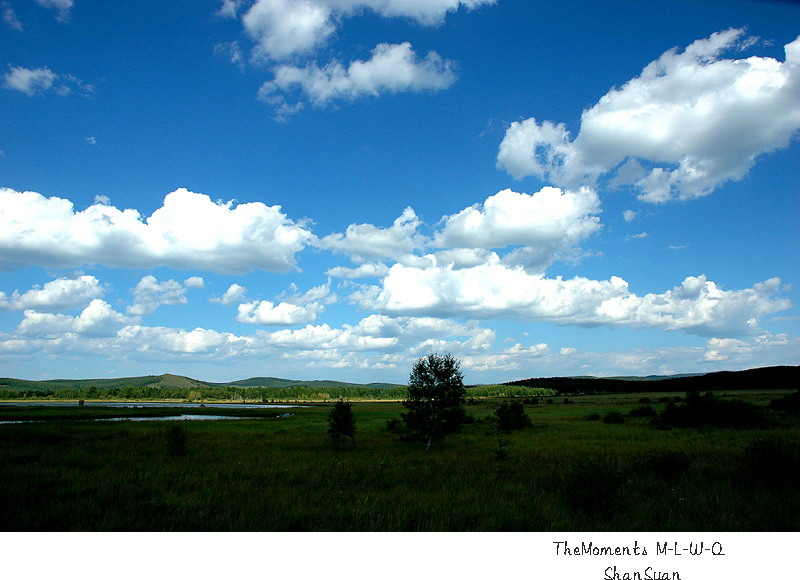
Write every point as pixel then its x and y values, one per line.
pixel 281 383
pixel 780 377
pixel 22 384
pixel 174 381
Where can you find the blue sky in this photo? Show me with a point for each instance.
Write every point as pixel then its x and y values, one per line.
pixel 333 188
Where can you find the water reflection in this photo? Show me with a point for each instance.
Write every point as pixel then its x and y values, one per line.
pixel 145 405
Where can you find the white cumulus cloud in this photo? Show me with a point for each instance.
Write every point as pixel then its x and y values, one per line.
pixel 294 309
pixel 282 29
pixel 149 294
pixel 235 293
pixel 61 294
pixel 363 242
pixel 154 339
pixel 286 35
pixel 549 222
pixel 97 319
pixel 28 81
pixel 687 124
pixel 391 68
pixel 188 231
pixel 496 290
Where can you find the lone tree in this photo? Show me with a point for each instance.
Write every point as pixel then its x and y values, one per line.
pixel 342 425
pixel 435 395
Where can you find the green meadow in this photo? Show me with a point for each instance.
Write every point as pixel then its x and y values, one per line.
pixel 576 468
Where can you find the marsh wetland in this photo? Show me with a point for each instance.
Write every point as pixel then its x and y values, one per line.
pixel 577 467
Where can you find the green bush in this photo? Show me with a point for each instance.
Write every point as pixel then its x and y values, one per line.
pixel 511 417
pixel 643 411
pixel 710 411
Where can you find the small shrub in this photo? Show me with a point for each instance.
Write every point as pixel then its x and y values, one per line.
pixel 667 464
pixel 613 417
pixel 711 411
pixel 342 425
pixel 567 401
pixel 550 401
pixel 501 453
pixel 177 442
pixel 644 411
pixel 592 417
pixel 511 417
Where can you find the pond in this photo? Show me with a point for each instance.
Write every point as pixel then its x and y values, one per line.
pixel 146 405
pixel 170 418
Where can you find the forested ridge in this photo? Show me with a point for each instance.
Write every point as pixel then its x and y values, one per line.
pixel 266 389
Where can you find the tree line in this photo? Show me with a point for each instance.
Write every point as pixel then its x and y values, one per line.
pixel 260 394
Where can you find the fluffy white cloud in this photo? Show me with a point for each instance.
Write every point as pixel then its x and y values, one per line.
pixel 494 289
pixel 285 28
pixel 149 293
pixel 383 333
pixel 742 352
pixel 235 293
pixel 549 222
pixel 188 231
pixel 364 242
pixel 295 309
pixel 542 227
pixel 61 294
pixel 287 33
pixel 391 68
pixel 283 313
pixel 40 80
pixel 325 337
pixel 512 358
pixel 688 123
pixel 28 81
pixel 144 339
pixel 97 319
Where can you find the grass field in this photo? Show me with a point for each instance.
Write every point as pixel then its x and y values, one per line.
pixel 570 471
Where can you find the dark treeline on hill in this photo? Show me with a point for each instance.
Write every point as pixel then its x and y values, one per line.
pixel 780 377
pixel 267 389
pixel 261 389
